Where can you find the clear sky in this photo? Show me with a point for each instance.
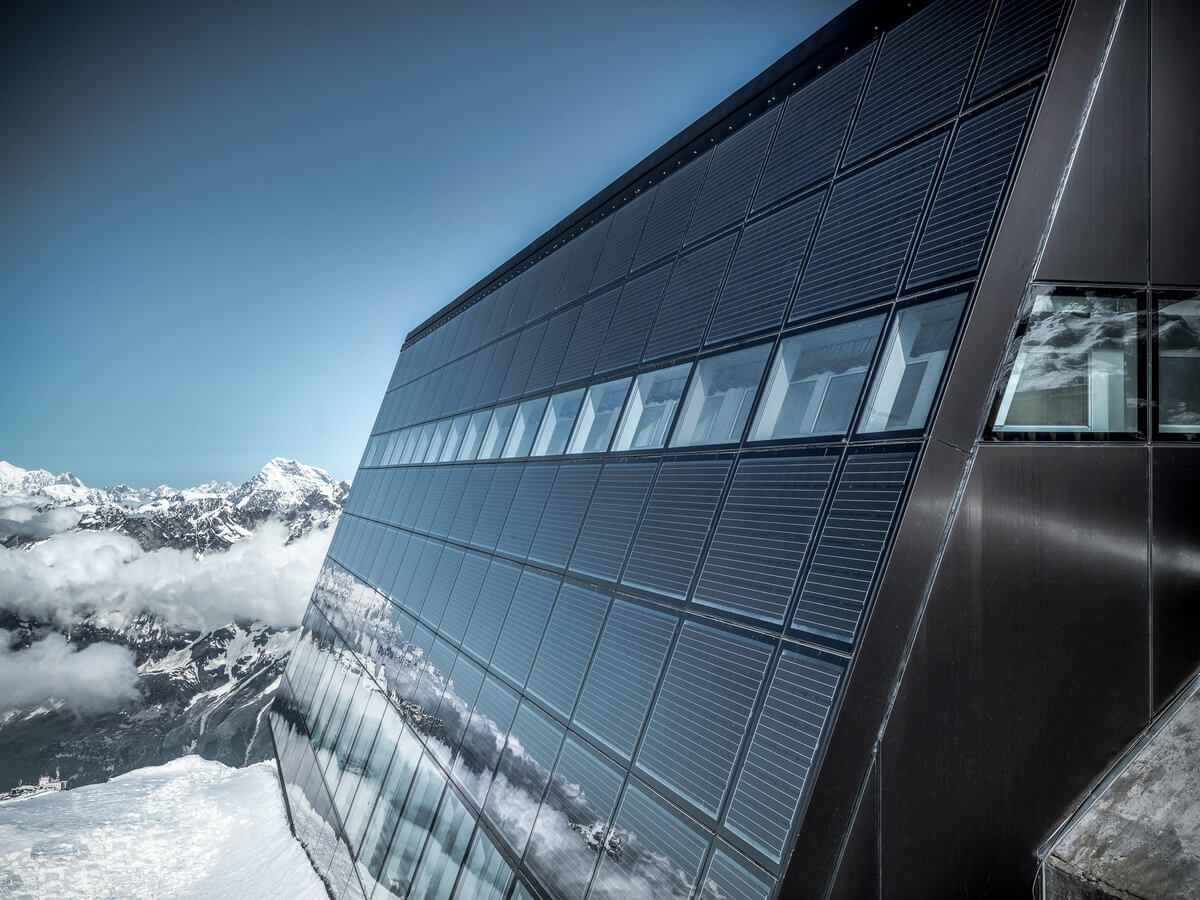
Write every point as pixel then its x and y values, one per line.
pixel 218 220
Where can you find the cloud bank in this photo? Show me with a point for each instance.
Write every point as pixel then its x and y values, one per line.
pixel 78 573
pixel 98 678
pixel 25 521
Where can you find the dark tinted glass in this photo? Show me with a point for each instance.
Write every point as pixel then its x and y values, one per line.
pixel 550 353
pixel 522 361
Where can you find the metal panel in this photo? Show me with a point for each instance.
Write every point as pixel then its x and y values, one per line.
pixel 737 161
pixel 920 75
pixel 968 196
pixel 1174 143
pixel 1101 230
pixel 857 875
pixel 1176 575
pixel 865 234
pixel 1030 669
pixel 764 270
pixel 813 129
pixel 1019 44
pixel 689 299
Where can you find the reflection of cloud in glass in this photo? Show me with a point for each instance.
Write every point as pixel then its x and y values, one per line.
pixel 1058 348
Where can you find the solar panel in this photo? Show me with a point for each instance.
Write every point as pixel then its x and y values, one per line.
pixel 701 713
pixel 622 240
pixel 673 202
pixel 969 194
pixel 471 504
pixel 495 506
pixel 1019 44
pixel 866 231
pixel 731 177
pixel 690 295
pixel 851 544
pixel 456 483
pixel 463 595
pixel 522 361
pixel 812 129
pixel 521 523
pixel 762 535
pixel 552 350
pixel 920 75
pixel 764 270
pixel 779 758
pixel 588 337
pixel 583 262
pixel 677 518
pixel 522 631
pixel 631 321
pixel 490 609
pixel 731 877
pixel 608 529
pixel 563 514
pixel 566 649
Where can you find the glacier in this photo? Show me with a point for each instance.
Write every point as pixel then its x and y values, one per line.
pixel 192 828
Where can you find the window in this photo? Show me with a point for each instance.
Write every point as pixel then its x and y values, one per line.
pixel 556 423
pixel 439 439
pixel 719 400
pixel 476 428
pixel 1177 364
pixel 910 368
pixel 524 427
pixel 421 446
pixel 598 416
pixel 454 438
pixel 497 431
pixel 1075 366
pixel 651 408
pixel 815 381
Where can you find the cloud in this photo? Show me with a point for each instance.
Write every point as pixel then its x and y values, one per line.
pixel 25 521
pixel 73 575
pixel 98 678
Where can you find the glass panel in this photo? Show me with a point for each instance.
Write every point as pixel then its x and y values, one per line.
pixel 497 431
pixel 439 439
pixel 421 447
pixel 524 427
pixel 719 400
pixel 411 438
pixel 651 408
pixel 412 829
pixel 444 851
pixel 454 438
pixel 486 875
pixel 1075 368
pixel 373 851
pixel 567 647
pixel 373 779
pixel 815 381
pixel 598 417
pixel 473 437
pixel 1178 365
pixel 731 877
pixel 524 772
pixel 556 424
pixel 484 738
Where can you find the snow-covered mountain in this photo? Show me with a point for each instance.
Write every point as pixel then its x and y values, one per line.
pixel 208 517
pixel 196 689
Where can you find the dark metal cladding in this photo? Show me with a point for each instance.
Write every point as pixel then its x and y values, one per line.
pixel 1176 533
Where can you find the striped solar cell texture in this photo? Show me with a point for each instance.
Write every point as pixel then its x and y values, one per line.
pixel 522 631
pixel 620 684
pixel 851 544
pixel 632 320
pixel 813 129
pixel 677 519
pixel 522 361
pixel 920 74
pixel 552 350
pixel 968 195
pixel 669 215
pixel 588 337
pixel 563 514
pixel 584 257
pixel 689 299
pixel 701 713
pixel 736 164
pixel 518 312
pixel 490 609
pixel 566 649
pixel 494 512
pixel 608 528
pixel 520 525
pixel 622 240
pixel 762 535
pixel 866 232
pixel 731 878
pixel 1019 44
pixel 764 271
pixel 774 776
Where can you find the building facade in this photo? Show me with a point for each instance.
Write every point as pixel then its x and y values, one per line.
pixel 808 514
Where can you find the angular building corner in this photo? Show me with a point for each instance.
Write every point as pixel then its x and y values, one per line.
pixel 809 514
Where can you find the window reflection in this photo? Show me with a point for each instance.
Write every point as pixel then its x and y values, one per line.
pixel 556 424
pixel 497 431
pixel 651 408
pixel 598 417
pixel 815 381
pixel 524 428
pixel 421 446
pixel 473 437
pixel 719 400
pixel 439 438
pixel 1178 365
pixel 1075 367
pixel 454 438
pixel 911 365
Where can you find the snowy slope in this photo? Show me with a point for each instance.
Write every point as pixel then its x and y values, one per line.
pixel 189 829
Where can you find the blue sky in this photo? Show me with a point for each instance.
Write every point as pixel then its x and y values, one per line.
pixel 219 220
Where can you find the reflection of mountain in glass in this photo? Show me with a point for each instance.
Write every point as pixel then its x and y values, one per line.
pixel 1179 365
